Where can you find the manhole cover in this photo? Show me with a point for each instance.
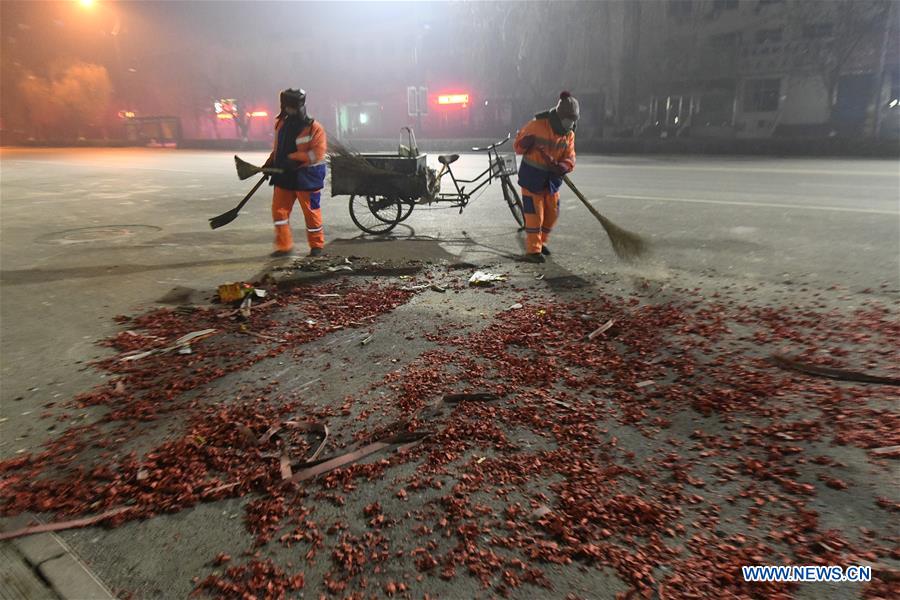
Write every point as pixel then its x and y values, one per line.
pixel 102 233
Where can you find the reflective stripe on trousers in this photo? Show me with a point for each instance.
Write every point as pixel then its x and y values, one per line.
pixel 282 204
pixel 541 212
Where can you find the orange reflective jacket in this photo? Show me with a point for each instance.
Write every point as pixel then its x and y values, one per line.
pixel 306 145
pixel 535 173
pixel 311 145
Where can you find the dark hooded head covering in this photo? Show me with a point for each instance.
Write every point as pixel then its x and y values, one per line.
pixel 567 107
pixel 291 98
pixel 564 115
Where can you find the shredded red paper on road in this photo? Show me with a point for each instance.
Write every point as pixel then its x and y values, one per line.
pixel 723 463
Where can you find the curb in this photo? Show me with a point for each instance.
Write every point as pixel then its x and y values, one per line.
pixel 54 565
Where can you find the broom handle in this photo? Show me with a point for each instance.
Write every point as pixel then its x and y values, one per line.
pixel 603 220
pixel 581 197
pixel 252 191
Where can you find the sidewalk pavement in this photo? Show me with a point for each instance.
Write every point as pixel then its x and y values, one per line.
pixel 43 567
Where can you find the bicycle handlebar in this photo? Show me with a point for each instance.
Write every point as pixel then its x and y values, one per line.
pixel 494 145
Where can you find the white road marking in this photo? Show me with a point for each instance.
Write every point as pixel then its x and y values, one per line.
pixel 871 211
pixel 868 186
pixel 123 166
pixel 746 169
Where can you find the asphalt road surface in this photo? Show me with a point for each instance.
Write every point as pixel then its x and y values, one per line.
pixel 88 234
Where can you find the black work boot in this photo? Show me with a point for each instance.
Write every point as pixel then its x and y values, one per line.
pixel 545 251
pixel 314 252
pixel 535 257
pixel 282 253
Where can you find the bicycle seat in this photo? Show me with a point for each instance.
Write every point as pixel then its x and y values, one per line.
pixel 446 159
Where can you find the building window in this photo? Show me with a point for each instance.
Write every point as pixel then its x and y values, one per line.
pixel 817 30
pixel 768 36
pixel 714 109
pixel 680 8
pixel 761 95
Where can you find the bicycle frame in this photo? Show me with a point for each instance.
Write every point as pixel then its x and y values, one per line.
pixel 387 210
pixel 461 197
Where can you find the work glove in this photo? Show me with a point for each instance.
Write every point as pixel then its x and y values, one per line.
pixel 556 167
pixel 527 143
pixel 565 166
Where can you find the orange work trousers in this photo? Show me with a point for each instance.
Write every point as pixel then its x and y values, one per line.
pixel 310 203
pixel 541 211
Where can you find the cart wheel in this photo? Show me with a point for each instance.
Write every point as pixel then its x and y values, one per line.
pixel 407 207
pixel 375 214
pixel 514 202
pixel 405 210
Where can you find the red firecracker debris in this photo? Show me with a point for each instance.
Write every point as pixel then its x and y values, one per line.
pixel 579 453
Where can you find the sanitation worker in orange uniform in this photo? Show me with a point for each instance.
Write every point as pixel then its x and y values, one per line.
pixel 547 146
pixel 300 147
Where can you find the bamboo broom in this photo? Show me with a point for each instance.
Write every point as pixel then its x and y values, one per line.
pixel 626 245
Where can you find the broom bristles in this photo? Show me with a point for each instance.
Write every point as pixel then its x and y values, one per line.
pixel 354 159
pixel 356 165
pixel 245 170
pixel 626 244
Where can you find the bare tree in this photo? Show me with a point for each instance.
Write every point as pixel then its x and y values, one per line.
pixel 43 111
pixel 85 91
pixel 78 97
pixel 837 32
pixel 532 50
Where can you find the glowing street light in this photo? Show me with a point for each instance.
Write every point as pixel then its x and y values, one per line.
pixel 86 3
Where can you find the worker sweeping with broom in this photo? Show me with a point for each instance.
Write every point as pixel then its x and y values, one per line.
pixel 547 146
pixel 299 155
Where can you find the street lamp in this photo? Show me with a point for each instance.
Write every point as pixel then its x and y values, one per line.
pixel 86 3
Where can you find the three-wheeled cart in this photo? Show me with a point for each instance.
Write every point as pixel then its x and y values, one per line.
pixel 384 187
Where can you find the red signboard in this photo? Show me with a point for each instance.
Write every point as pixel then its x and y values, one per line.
pixel 453 99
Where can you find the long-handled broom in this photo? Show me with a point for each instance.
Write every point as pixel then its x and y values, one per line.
pixel 231 215
pixel 626 245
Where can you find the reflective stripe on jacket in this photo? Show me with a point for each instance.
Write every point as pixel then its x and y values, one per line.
pixel 306 144
pixel 535 174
